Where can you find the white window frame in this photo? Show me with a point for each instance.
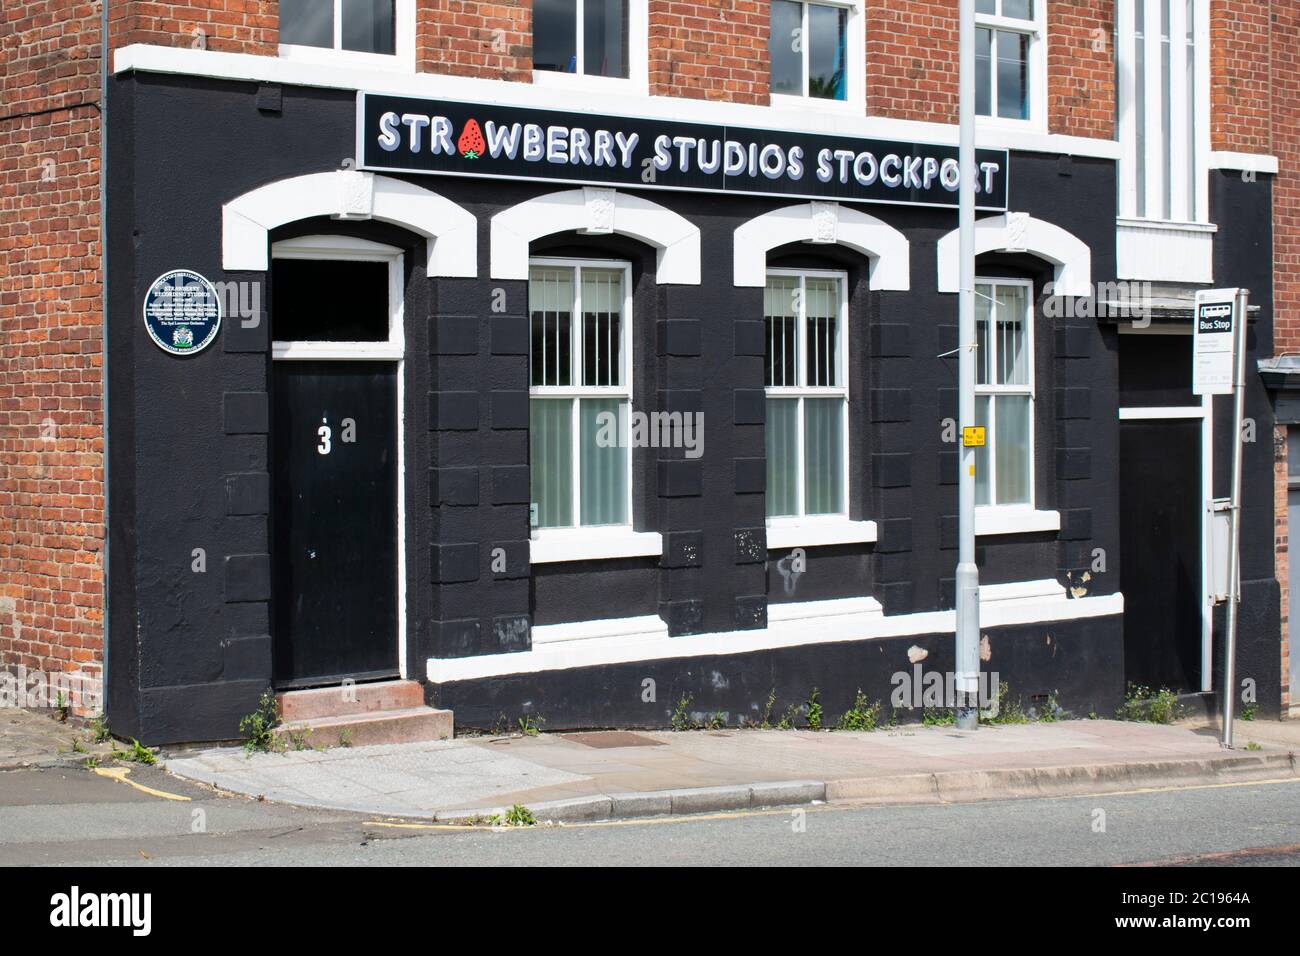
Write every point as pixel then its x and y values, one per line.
pixel 1035 69
pixel 995 507
pixel 403 57
pixel 351 249
pixel 804 391
pixel 1157 177
pixel 637 80
pixel 855 79
pixel 576 391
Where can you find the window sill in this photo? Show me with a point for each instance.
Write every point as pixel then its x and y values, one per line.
pixel 1007 124
pixel 818 532
pixel 554 545
pixel 399 62
pixel 580 82
pixel 817 104
pixel 1165 224
pixel 1009 520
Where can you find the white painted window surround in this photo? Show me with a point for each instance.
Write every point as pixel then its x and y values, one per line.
pixel 855 95
pixel 348 249
pixel 636 83
pixel 822 223
pixel 401 60
pixel 610 100
pixel 1019 232
pixel 1004 392
pixel 595 211
pixel 565 389
pixel 1163 232
pixel 450 231
pixel 623 640
pixel 806 319
pixel 1035 29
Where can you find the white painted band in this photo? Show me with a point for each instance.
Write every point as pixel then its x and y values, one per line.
pixel 829 622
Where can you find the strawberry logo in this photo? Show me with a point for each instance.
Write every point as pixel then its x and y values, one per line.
pixel 471 143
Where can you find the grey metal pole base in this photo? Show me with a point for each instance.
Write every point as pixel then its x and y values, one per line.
pixel 968 718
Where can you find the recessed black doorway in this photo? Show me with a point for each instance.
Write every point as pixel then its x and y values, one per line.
pixel 1160 552
pixel 335 533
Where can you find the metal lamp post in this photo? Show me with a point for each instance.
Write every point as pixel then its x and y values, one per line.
pixel 968 575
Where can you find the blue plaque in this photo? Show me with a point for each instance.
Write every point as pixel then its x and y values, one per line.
pixel 182 312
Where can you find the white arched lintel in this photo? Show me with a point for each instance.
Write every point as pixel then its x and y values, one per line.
pixel 1018 232
pixel 450 231
pixel 596 211
pixel 823 223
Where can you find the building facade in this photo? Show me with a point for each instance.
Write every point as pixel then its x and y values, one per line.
pixel 578 359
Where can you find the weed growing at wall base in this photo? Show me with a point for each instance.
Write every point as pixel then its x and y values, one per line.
pixel 1144 704
pixel 258 727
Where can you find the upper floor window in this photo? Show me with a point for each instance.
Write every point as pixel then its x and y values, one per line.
pixel 1010 69
pixel 580 393
pixel 808 46
pixel 586 37
pixel 1004 392
pixel 1159 83
pixel 376 31
pixel 807 393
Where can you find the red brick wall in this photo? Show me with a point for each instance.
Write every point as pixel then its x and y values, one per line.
pixel 709 49
pixel 1286 187
pixel 470 38
pixel 1081 68
pixel 1285 131
pixel 51 439
pixel 1239 73
pixel 238 26
pixel 912 60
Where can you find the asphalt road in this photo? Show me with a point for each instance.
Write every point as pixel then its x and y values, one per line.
pixel 56 817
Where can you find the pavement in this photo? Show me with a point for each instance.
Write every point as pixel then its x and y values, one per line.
pixel 573 777
pixel 41 739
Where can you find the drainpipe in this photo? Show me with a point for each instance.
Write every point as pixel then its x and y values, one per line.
pixel 103 354
pixel 968 575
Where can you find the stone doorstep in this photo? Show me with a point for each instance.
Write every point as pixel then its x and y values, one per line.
pixel 400 725
pixel 338 701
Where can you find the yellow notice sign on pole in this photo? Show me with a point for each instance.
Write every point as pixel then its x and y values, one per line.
pixel 972 436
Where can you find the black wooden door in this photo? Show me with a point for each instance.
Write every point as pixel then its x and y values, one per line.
pixel 334 524
pixel 1160 551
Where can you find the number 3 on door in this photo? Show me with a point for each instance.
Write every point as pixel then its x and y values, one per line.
pixel 324 447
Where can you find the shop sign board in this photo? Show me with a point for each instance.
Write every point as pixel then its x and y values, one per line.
pixel 411 135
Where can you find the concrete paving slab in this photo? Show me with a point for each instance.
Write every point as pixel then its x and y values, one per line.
pixel 699 772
